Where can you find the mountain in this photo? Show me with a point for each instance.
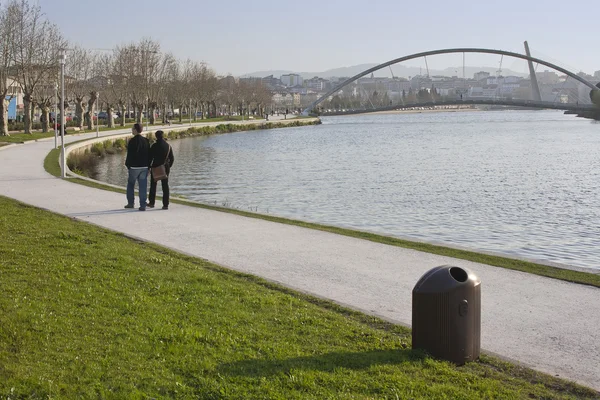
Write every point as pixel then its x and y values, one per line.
pixel 398 70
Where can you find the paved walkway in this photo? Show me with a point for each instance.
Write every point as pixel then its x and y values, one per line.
pixel 549 325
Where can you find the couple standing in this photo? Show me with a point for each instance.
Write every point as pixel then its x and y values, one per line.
pixel 142 157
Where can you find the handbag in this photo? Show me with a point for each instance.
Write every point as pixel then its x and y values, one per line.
pixel 159 173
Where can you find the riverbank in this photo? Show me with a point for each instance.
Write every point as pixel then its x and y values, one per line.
pixel 419 110
pixel 561 272
pixel 85 160
pixel 89 312
pixel 523 314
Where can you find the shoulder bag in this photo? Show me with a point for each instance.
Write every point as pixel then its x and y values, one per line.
pixel 159 173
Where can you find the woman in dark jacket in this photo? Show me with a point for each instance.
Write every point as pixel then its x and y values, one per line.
pixel 160 153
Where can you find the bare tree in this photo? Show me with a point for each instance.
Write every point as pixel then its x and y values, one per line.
pixel 45 96
pixel 141 68
pixel 36 47
pixel 6 62
pixel 203 84
pixel 120 66
pixel 229 93
pixel 157 82
pixel 79 72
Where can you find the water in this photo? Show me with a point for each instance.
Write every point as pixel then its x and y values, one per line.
pixel 520 183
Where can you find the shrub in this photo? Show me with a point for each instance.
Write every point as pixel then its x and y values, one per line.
pixel 120 144
pixel 83 163
pixel 98 148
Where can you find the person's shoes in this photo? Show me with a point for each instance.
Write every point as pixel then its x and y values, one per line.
pixel 149 205
pixel 142 208
pixel 165 207
pixel 129 206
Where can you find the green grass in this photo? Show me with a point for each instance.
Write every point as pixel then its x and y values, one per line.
pixel 24 137
pixel 584 278
pixel 87 313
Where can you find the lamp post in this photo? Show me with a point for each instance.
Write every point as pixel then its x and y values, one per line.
pixel 190 111
pixel 97 116
pixel 56 116
pixel 62 59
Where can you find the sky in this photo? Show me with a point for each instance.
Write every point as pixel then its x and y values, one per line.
pixel 240 37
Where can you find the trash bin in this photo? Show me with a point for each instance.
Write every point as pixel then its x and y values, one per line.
pixel 446 314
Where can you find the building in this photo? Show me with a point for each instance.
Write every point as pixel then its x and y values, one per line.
pixel 547 77
pixel 597 74
pixel 316 83
pixel 271 82
pixel 291 80
pixel 481 75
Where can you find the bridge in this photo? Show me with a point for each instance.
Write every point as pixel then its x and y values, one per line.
pixel 574 108
pixel 536 103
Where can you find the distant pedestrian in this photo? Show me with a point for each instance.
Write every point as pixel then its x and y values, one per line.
pixel 137 163
pixel 161 153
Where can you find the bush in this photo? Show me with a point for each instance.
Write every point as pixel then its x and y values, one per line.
pixel 83 163
pixel 120 144
pixel 98 148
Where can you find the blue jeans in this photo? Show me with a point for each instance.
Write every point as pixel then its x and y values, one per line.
pixel 141 176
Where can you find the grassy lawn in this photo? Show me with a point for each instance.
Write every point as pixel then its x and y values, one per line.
pixel 90 313
pixel 24 137
pixel 51 165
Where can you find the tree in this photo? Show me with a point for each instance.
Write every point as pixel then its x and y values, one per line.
pixel 79 71
pixel 6 62
pixel 45 96
pixel 35 49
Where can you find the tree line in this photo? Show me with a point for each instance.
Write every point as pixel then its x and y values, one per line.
pixel 130 79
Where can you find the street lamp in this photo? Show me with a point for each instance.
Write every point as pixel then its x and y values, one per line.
pixel 97 115
pixel 62 59
pixel 56 116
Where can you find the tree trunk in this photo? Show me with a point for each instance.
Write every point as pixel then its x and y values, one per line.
pixel 89 114
pixel 27 113
pixel 4 116
pixel 45 117
pixel 151 109
pixel 110 115
pixel 139 110
pixel 181 113
pixel 122 109
pixel 78 111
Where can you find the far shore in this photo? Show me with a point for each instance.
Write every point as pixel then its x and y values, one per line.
pixel 425 110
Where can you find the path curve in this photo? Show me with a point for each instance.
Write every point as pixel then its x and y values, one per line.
pixel 550 325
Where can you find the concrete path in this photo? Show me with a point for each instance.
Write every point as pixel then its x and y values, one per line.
pixel 549 325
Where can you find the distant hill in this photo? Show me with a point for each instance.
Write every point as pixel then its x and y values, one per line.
pixel 398 70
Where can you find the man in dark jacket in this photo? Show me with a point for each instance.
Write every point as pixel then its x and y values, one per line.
pixel 161 153
pixel 137 162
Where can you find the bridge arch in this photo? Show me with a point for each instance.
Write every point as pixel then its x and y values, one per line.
pixel 448 51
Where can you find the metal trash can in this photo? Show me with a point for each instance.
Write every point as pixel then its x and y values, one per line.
pixel 446 314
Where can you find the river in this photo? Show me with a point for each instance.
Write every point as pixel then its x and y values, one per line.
pixel 518 183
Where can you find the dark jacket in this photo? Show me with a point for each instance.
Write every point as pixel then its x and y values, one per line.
pixel 158 154
pixel 138 152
